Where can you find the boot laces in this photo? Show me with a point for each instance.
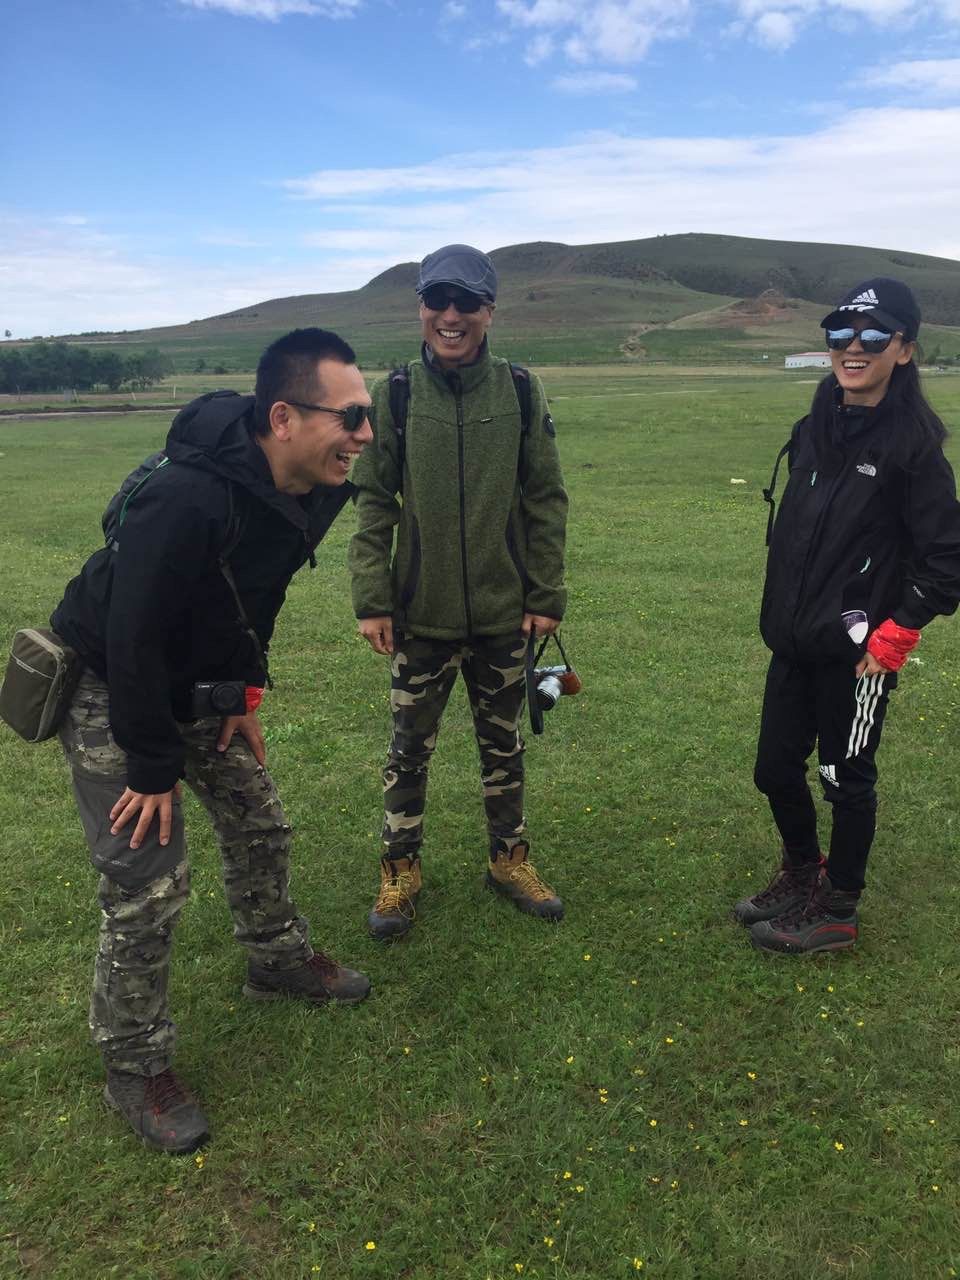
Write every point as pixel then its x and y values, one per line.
pixel 322 963
pixel 788 877
pixel 395 896
pixel 163 1092
pixel 525 875
pixel 802 912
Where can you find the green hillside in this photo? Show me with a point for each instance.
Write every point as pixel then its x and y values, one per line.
pixel 683 298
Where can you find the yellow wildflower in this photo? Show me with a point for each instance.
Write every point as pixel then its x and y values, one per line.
pixel 371 1244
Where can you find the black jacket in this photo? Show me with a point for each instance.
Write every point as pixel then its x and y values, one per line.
pixel 858 532
pixel 156 615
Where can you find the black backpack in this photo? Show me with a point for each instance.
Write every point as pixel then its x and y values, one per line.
pixel 116 510
pixel 399 392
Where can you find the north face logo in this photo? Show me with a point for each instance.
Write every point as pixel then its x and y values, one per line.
pixel 867 469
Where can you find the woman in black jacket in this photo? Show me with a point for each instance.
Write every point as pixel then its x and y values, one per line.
pixel 864 552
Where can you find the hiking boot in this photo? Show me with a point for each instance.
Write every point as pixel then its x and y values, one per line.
pixel 790 887
pixel 511 874
pixel 319 979
pixel 828 922
pixel 159 1109
pixel 395 908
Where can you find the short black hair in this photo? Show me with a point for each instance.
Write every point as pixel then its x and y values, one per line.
pixel 288 369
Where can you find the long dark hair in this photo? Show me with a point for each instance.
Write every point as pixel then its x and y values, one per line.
pixel 916 427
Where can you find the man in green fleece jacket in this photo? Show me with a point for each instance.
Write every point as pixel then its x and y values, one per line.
pixel 476 496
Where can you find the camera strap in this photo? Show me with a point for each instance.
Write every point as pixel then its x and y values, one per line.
pixel 245 625
pixel 534 655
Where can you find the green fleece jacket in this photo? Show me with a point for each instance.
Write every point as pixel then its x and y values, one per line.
pixel 480 510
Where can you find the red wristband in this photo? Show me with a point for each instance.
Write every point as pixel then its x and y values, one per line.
pixel 890 644
pixel 254 697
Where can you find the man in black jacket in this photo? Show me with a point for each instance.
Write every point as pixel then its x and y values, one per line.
pixel 173 619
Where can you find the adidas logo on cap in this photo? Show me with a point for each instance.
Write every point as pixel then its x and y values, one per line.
pixel 862 302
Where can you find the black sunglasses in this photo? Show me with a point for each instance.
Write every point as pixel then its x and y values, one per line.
pixel 438 298
pixel 354 415
pixel 873 341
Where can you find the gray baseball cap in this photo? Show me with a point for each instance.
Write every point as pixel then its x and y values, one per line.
pixel 460 265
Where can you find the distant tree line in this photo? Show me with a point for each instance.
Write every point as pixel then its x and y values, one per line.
pixel 57 366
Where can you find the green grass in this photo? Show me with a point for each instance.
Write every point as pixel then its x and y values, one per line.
pixel 694 1090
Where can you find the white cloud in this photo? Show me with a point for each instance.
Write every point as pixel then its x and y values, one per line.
pixel 595 82
pixel 614 31
pixel 775 30
pixel 938 77
pixel 341 227
pixel 777 24
pixel 274 10
pixel 611 187
pixel 454 10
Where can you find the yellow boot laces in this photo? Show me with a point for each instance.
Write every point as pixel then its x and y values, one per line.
pixel 526 878
pixel 395 897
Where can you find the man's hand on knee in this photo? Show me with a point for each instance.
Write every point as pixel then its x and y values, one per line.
pixel 148 806
pixel 378 632
pixel 249 728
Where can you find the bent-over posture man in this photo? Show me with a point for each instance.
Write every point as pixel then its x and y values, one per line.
pixel 186 593
pixel 464 466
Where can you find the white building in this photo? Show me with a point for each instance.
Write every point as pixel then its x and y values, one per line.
pixel 808 360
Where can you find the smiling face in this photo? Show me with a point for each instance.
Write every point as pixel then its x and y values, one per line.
pixel 455 336
pixel 863 376
pixel 313 446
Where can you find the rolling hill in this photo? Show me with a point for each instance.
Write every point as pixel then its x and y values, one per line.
pixel 686 298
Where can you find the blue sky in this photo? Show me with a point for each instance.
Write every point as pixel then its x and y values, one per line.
pixel 163 160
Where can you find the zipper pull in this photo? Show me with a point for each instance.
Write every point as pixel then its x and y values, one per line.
pixel 813 479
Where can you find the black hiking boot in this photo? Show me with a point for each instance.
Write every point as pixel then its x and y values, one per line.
pixel 828 922
pixel 319 979
pixel 158 1108
pixel 790 887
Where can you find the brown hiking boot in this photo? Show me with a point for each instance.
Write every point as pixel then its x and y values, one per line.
pixel 320 979
pixel 159 1109
pixel 790 887
pixel 511 874
pixel 395 908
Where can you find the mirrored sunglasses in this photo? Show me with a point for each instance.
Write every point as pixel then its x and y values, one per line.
pixel 873 341
pixel 438 297
pixel 353 416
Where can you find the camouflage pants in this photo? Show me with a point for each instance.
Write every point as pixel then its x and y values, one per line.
pixel 142 891
pixel 424 672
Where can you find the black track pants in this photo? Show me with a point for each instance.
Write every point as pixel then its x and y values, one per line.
pixel 827 706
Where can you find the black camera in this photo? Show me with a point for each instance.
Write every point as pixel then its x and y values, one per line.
pixel 219 698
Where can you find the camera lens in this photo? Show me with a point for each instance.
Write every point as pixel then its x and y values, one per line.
pixel 549 690
pixel 223 698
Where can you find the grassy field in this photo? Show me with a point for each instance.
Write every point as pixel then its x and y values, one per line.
pixel 633 1092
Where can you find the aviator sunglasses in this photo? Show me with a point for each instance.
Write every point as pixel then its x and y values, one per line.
pixel 438 298
pixel 873 341
pixel 353 416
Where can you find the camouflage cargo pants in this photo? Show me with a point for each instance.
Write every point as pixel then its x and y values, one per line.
pixel 143 891
pixel 424 672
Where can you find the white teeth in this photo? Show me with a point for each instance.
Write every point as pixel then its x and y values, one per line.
pixel 452 334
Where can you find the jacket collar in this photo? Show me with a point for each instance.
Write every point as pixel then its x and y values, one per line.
pixel 466 376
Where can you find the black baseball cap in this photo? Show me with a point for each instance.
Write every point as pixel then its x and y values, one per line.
pixel 460 265
pixel 890 302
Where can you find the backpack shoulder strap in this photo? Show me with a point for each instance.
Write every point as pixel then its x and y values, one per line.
pixel 399 392
pixel 521 384
pixel 769 491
